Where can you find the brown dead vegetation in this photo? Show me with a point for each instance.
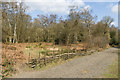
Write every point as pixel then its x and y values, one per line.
pixel 10 57
pixel 12 54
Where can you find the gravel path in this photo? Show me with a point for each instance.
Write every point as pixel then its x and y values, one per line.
pixel 92 66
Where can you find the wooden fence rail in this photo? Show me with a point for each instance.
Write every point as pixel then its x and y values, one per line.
pixel 43 61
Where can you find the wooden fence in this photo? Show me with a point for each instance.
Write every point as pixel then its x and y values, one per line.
pixel 43 61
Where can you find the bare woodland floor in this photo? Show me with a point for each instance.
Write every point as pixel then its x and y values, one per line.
pixel 92 66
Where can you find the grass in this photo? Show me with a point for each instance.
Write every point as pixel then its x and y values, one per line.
pixel 49 65
pixel 43 51
pixel 0 76
pixel 112 71
pixel 60 61
pixel 28 46
pixel 35 53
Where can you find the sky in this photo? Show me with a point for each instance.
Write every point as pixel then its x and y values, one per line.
pixel 61 8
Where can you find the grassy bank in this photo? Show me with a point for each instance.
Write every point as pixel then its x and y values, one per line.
pixel 112 71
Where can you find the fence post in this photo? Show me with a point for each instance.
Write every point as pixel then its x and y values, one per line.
pixel 71 53
pixel 39 55
pixel 58 54
pixel 61 53
pixel 75 52
pixel 52 56
pixel 29 58
pixel 39 58
pixel 44 61
pixel 68 53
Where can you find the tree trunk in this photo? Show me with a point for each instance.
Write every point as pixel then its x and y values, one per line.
pixel 15 35
pixel 75 38
pixel 68 40
pixel 10 37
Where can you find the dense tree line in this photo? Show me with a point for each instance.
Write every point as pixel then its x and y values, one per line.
pixel 80 26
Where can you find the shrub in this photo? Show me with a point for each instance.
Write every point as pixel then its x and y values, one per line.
pixel 44 52
pixel 28 46
pixel 100 42
pixel 113 40
pixel 12 48
pixel 65 50
pixel 40 44
pixel 7 66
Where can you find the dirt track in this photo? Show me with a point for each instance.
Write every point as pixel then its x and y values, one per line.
pixel 92 66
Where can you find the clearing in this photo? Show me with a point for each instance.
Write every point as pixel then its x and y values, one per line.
pixel 92 66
